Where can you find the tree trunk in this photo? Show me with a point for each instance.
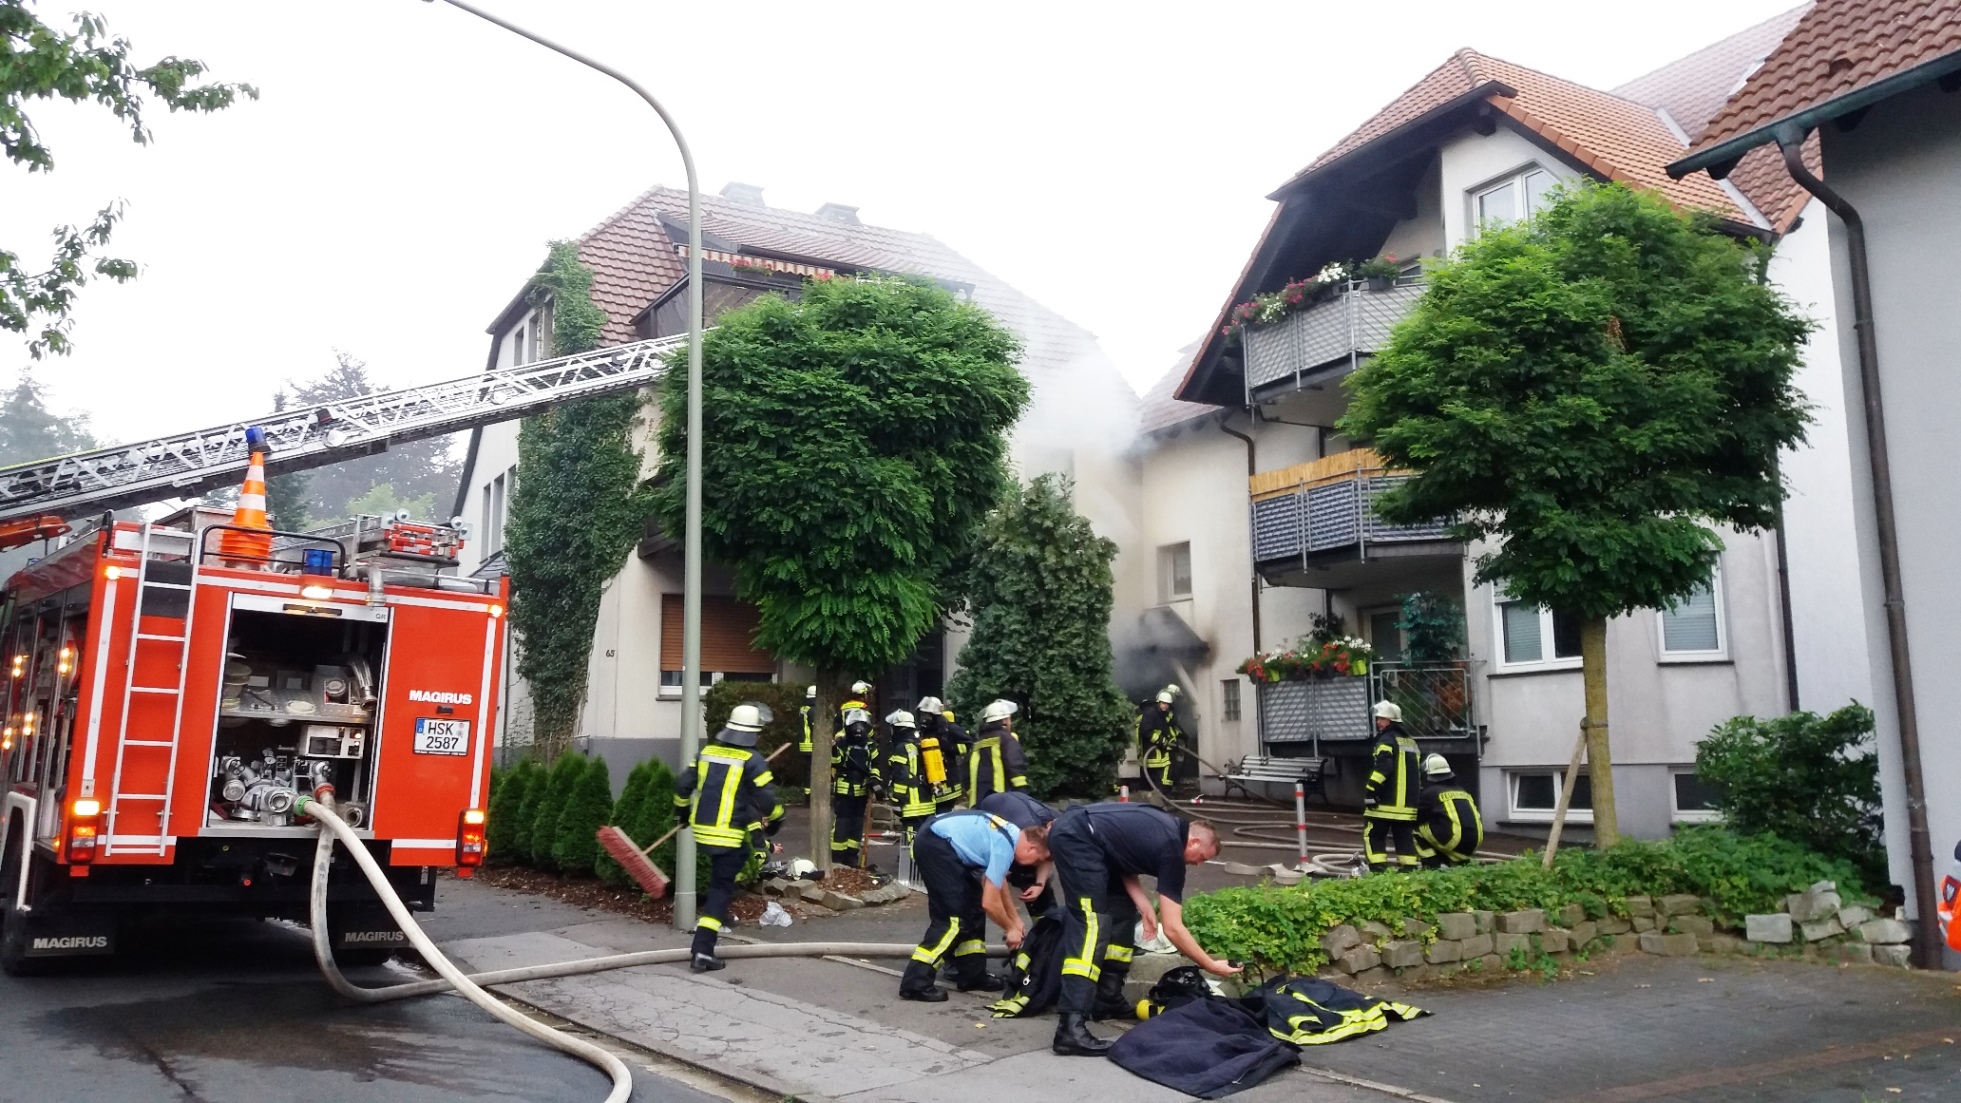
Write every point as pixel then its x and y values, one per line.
pixel 1593 666
pixel 831 688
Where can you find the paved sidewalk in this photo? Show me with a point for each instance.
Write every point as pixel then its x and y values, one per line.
pixel 1640 1028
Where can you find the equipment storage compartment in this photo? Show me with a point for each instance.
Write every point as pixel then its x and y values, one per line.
pixel 297 707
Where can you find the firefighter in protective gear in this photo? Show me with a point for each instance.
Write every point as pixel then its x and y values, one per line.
pixel 908 773
pixel 1448 827
pixel 852 776
pixel 861 696
pixel 942 739
pixel 995 764
pixel 1157 734
pixel 964 859
pixel 724 790
pixel 809 702
pixel 1389 798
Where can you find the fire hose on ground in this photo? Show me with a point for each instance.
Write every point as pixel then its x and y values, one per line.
pixel 471 986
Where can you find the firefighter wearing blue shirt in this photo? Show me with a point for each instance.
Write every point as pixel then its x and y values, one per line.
pixel 722 792
pixel 948 851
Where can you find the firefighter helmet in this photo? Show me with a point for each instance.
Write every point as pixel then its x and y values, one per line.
pixel 998 711
pixel 859 689
pixel 931 704
pixel 1388 710
pixel 1437 768
pixel 900 719
pixel 1166 696
pixel 810 693
pixel 857 716
pixel 1169 692
pixel 745 723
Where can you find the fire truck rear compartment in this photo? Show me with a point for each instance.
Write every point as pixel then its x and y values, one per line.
pixel 296 711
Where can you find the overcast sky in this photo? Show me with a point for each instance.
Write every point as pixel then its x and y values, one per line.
pixel 407 162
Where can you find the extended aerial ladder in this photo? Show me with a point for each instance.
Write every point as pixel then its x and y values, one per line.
pixel 36 499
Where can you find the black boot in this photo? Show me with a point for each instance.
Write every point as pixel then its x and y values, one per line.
pixel 1110 1001
pixel 1073 1039
pixel 981 981
pixel 706 963
pixel 918 984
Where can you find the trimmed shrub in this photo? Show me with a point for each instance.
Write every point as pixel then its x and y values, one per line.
pixel 1279 929
pixel 507 823
pixel 625 814
pixel 557 790
pixel 1804 777
pixel 587 808
pixel 527 812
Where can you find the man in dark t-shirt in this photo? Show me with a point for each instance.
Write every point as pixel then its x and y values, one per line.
pixel 1095 847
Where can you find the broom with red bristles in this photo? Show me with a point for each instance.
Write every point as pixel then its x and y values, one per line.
pixel 634 859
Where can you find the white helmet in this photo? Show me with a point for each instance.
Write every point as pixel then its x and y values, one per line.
pixel 998 710
pixel 900 719
pixel 811 692
pixel 1388 710
pixel 857 716
pixel 859 689
pixel 1169 692
pixel 1165 696
pixel 745 722
pixel 930 704
pixel 1437 766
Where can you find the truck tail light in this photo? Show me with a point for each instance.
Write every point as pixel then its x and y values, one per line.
pixel 84 825
pixel 469 838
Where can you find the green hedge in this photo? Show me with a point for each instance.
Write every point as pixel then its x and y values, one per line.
pixel 1279 929
pixel 785 702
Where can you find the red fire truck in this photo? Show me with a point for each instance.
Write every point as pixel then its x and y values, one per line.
pixel 166 707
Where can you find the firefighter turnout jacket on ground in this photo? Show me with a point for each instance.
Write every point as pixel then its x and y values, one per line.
pixel 1448 827
pixel 995 764
pixel 724 795
pixel 1157 734
pixel 1095 847
pixel 851 785
pixel 1389 808
pixel 954 852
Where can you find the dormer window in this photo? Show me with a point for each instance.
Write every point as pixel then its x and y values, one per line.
pixel 1513 198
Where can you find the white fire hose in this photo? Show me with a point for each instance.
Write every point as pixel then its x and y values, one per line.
pixel 471 986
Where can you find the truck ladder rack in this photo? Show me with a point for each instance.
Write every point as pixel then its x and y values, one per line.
pixel 138 638
pixel 187 463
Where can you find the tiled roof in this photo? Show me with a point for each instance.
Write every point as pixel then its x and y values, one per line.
pixel 634 260
pixel 1694 88
pixel 1161 408
pixel 1839 47
pixel 1618 138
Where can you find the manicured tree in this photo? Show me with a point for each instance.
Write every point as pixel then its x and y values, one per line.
pixel 533 797
pixel 856 438
pixel 588 808
pixel 1041 594
pixel 557 787
pixel 1591 391
pixel 1805 778
pixel 506 816
pixel 626 811
pixel 656 815
pixel 576 511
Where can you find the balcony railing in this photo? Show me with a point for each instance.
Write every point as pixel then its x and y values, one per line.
pixel 1435 699
pixel 1326 505
pixel 1352 323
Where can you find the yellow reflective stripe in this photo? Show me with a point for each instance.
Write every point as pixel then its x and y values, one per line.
pixel 1083 962
pixel 970 947
pixel 1018 782
pixel 1116 953
pixel 1010 1008
pixel 708 923
pixel 731 784
pixel 708 835
pixel 765 778
pixel 1456 828
pixel 931 954
pixel 1378 777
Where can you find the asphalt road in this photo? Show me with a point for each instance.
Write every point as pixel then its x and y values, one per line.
pixel 234 1010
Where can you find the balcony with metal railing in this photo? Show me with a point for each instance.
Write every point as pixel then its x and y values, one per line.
pixel 1320 516
pixel 1328 338
pixel 1435 699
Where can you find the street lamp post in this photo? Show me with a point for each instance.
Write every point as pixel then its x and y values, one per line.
pixel 684 873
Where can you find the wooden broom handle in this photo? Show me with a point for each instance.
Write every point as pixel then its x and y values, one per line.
pixel 676 829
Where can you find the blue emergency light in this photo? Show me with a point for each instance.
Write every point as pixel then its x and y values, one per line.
pixel 318 561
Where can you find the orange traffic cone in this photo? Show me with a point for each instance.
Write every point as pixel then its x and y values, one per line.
pixel 250 549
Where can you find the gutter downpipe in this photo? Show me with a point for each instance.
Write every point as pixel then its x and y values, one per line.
pixel 1252 468
pixel 1927 944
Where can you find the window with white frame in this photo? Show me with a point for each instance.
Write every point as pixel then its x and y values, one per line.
pixel 1531 637
pixel 1535 795
pixel 1691 799
pixel 1229 699
pixel 517 348
pixel 1693 629
pixel 1513 198
pixel 1175 572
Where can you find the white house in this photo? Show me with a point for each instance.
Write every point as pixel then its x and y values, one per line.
pixel 1481 139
